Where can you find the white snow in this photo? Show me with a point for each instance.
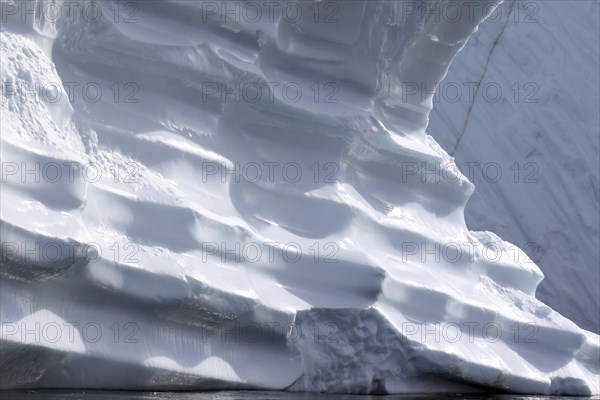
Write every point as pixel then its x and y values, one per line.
pixel 134 220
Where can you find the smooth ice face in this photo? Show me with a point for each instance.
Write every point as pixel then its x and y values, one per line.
pixel 250 201
pixel 546 198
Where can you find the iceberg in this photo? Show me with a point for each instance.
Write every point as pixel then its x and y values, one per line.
pixel 242 195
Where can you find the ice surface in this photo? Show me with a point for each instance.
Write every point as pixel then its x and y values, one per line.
pixel 145 252
pixel 544 137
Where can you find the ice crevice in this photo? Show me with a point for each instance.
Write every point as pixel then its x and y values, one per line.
pixel 362 312
pixel 483 74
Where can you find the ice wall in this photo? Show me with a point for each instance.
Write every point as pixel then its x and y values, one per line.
pixel 539 126
pixel 218 199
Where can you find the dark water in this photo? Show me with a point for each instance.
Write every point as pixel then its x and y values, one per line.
pixel 247 395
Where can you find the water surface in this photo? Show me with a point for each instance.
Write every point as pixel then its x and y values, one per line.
pixel 249 395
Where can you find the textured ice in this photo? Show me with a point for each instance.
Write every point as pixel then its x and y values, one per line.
pixel 133 257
